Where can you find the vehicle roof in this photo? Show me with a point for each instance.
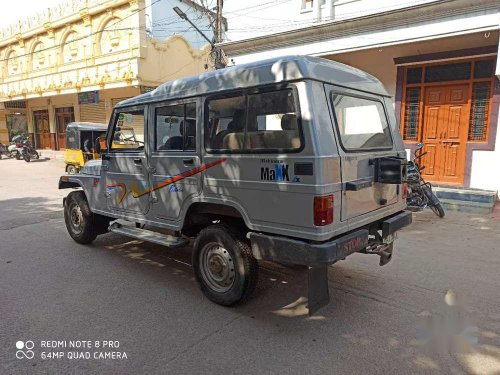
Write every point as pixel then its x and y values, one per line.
pixel 280 69
pixel 87 126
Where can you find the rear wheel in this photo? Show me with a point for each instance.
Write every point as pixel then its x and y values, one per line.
pixel 18 156
pixel 224 265
pixel 71 169
pixel 27 157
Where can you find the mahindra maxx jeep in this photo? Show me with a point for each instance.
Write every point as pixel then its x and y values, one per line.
pixel 296 160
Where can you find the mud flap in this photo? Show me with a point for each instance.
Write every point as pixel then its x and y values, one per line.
pixel 318 295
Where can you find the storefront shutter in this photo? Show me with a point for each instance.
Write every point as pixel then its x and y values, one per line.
pixel 115 101
pixel 93 112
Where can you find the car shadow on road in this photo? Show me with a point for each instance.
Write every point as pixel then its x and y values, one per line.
pixel 17 212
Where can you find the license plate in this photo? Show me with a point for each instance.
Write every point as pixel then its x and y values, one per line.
pixel 389 238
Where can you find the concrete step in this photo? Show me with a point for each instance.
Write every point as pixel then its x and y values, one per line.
pixel 148 235
pixel 466 200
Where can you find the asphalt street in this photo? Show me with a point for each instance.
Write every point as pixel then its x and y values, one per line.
pixel 434 309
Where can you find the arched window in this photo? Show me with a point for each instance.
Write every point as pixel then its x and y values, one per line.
pixel 13 66
pixel 39 58
pixel 113 37
pixel 71 49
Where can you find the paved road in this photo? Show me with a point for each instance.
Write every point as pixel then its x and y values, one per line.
pixel 434 309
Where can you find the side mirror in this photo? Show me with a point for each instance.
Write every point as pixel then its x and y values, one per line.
pixel 100 144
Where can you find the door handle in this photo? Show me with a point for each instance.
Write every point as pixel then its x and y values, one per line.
pixel 188 161
pixel 138 161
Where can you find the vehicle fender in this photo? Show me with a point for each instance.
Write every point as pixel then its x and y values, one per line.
pixel 67 182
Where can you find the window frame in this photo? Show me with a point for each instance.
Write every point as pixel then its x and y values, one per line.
pixel 111 130
pixel 246 93
pixel 337 128
pixel 172 103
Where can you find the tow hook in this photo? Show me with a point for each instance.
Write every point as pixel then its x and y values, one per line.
pixel 381 249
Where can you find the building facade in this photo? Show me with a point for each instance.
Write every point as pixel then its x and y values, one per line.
pixel 77 60
pixel 438 60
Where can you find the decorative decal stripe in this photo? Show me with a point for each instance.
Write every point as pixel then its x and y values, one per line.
pixel 136 192
pixel 123 191
pixel 143 190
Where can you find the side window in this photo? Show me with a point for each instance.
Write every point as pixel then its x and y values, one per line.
pixel 226 123
pixel 175 127
pixel 128 131
pixel 272 121
pixel 266 121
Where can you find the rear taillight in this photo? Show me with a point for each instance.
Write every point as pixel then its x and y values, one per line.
pixel 323 210
pixel 404 190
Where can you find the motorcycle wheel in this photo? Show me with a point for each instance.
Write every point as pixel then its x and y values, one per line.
pixel 18 156
pixel 27 158
pixel 434 203
pixel 36 155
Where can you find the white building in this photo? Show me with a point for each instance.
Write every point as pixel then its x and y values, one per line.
pixel 437 58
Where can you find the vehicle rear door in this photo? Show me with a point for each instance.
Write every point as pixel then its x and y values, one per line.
pixel 364 134
pixel 125 163
pixel 175 167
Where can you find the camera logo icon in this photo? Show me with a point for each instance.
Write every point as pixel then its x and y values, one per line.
pixel 24 349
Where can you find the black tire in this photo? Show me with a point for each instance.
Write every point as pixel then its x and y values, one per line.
pixel 36 155
pixel 434 203
pixel 438 210
pixel 18 156
pixel 71 169
pixel 227 251
pixel 79 219
pixel 27 158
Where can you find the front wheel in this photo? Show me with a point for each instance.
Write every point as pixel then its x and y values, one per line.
pixel 434 203
pixel 78 218
pixel 224 265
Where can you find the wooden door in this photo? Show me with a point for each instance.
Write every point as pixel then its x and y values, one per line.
pixel 42 128
pixel 445 129
pixel 63 117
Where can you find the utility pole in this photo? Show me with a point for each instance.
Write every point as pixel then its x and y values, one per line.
pixel 217 28
pixel 219 61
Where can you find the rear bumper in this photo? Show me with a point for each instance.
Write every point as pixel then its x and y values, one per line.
pixel 287 250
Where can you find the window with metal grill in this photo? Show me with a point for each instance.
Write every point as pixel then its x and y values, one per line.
pixel 479 111
pixel 448 72
pixel 412 109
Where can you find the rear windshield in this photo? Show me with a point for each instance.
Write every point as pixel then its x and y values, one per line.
pixel 361 122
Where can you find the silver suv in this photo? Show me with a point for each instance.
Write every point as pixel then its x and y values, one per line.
pixel 296 160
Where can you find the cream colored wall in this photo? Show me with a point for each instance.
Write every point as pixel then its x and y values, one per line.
pixel 100 58
pixel 485 167
pixel 171 59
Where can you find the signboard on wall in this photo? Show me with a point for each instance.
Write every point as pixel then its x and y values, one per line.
pixel 90 97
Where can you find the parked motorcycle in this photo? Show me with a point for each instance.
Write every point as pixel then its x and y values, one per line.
pixel 420 193
pixel 28 152
pixel 15 147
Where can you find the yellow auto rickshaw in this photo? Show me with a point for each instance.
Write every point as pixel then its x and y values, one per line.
pixel 81 138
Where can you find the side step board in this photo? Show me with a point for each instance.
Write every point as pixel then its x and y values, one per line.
pixel 148 235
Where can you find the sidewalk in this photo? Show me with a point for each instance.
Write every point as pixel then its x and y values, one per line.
pixel 51 154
